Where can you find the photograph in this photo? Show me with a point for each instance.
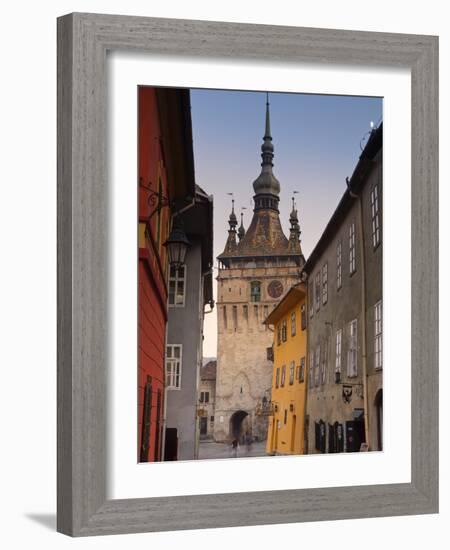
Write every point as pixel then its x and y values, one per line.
pixel 260 274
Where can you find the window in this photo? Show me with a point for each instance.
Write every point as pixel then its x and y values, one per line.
pixel 212 419
pixel 285 416
pixel 317 290
pixel 317 367
pixel 311 370
pixel 291 372
pixel 173 367
pixel 245 311
pixel 378 337
pixel 277 378
pixel 303 316
pixel 352 249
pixel 325 283
pixel 301 374
pixel 204 397
pixel 339 265
pixel 284 330
pixel 352 367
pixel 311 297
pixel 338 365
pixel 375 216
pixel 235 318
pixel 279 334
pixel 255 291
pixel 177 284
pixel 225 323
pixel 283 375
pixel 323 370
pixel 293 324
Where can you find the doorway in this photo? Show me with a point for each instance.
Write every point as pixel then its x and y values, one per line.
pixel 379 414
pixel 239 425
pixel 203 426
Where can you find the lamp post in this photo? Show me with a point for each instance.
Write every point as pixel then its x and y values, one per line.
pixel 177 244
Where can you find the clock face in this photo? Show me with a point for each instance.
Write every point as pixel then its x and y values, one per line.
pixel 275 289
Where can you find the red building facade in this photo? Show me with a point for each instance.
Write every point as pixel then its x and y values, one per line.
pixel 166 178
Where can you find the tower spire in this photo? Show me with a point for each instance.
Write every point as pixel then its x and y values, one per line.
pixel 266 185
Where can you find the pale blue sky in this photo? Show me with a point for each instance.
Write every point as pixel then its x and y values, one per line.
pixel 317 144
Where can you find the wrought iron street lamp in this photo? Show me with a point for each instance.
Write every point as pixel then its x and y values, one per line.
pixel 177 244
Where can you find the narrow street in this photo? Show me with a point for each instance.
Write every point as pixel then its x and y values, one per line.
pixel 211 449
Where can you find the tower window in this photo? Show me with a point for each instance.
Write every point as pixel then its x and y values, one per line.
pixel 255 291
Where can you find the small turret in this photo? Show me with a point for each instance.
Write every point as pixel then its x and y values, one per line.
pixel 241 230
pixel 231 243
pixel 294 236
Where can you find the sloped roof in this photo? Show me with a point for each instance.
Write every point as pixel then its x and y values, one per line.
pixel 208 371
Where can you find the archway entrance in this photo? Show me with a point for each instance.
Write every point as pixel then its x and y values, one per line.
pixel 239 425
pixel 379 410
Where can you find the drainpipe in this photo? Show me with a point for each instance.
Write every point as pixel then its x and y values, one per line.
pixel 363 311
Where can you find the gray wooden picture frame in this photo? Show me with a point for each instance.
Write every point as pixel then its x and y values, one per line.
pixel 83 41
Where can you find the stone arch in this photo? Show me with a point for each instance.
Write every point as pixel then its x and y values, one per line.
pixel 239 421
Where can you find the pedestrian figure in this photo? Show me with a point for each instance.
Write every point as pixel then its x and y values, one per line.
pixel 248 441
pixel 234 448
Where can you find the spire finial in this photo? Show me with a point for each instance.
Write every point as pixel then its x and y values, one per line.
pixel 267 132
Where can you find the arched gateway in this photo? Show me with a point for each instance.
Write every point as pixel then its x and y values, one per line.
pixel 239 425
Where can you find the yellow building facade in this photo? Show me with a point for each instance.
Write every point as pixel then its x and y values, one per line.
pixel 286 433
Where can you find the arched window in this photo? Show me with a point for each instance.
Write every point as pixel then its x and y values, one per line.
pixel 255 291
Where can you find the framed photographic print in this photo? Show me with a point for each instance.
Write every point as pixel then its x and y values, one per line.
pixel 247 274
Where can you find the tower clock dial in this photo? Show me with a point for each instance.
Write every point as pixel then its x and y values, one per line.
pixel 275 289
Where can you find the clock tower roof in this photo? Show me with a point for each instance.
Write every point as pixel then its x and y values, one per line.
pixel 265 237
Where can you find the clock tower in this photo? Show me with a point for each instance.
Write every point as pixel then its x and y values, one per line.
pixel 256 268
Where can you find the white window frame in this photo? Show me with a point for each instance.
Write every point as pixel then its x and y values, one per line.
pixel 352 354
pixel 291 373
pixel 173 367
pixel 301 377
pixel 338 364
pixel 325 283
pixel 378 336
pixel 375 211
pixel 175 279
pixel 317 290
pixel 293 323
pixel 339 265
pixel 351 248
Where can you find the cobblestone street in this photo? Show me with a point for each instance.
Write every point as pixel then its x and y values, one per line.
pixel 210 449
